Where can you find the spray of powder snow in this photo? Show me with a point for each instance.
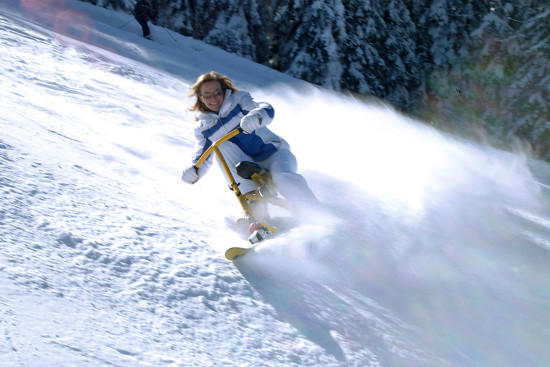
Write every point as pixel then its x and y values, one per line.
pixel 411 214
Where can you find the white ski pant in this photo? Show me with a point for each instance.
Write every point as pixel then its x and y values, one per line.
pixel 283 167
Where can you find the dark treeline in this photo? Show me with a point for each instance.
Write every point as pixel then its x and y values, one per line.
pixel 463 65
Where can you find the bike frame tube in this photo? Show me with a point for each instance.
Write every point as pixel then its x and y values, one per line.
pixel 233 185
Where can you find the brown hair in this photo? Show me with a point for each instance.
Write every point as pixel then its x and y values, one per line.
pixel 224 81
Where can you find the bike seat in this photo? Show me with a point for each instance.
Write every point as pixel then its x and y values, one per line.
pixel 246 169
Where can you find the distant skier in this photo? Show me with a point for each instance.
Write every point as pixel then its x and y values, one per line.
pixel 143 12
pixel 220 108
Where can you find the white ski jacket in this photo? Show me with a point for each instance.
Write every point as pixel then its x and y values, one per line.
pixel 258 145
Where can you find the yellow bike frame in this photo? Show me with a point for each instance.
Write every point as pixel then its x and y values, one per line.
pixel 249 214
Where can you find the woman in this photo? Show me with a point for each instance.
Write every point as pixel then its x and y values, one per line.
pixel 221 108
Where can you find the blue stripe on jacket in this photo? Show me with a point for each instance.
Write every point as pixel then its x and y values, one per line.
pixel 222 121
pixel 251 144
pixel 254 146
pixel 270 111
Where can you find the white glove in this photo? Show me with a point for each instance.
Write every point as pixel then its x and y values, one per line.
pixel 251 122
pixel 190 175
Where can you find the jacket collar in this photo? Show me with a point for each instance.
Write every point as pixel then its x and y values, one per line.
pixel 228 103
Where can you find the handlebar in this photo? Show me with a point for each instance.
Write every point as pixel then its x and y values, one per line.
pixel 216 144
pixel 233 185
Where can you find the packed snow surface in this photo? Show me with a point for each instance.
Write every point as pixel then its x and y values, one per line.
pixel 431 251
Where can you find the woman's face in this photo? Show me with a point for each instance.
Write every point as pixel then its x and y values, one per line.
pixel 211 94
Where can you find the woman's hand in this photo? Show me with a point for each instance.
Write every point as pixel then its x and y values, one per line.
pixel 251 122
pixel 190 175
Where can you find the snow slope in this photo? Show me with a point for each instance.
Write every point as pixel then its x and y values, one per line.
pixel 436 252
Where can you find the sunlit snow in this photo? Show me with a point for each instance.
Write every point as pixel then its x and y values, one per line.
pixel 432 251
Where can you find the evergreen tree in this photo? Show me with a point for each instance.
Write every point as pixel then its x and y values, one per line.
pixel 361 59
pixel 311 50
pixel 502 83
pixel 472 92
pixel 443 36
pixel 192 18
pixel 236 26
pixel 447 25
pixel 530 92
pixel 420 16
pixel 402 76
pixel 240 29
pixel 284 22
pixel 187 17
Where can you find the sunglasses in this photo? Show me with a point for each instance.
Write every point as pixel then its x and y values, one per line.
pixel 216 93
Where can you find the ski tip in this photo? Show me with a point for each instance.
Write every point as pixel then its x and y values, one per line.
pixel 234 252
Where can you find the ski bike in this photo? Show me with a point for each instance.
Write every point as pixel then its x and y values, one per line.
pixel 265 194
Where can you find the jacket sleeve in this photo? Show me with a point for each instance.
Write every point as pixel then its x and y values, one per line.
pixel 201 145
pixel 264 109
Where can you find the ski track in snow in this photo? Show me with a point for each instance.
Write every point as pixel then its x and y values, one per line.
pixel 433 252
